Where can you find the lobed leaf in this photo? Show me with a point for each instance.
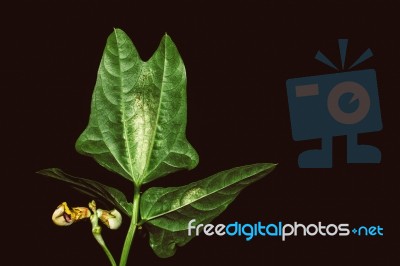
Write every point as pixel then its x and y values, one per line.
pixel 137 122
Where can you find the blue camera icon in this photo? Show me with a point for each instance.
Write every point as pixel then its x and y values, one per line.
pixel 339 104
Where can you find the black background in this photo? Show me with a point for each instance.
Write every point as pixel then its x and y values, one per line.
pixel 238 58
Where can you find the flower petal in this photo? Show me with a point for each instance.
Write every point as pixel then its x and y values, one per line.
pixel 58 216
pixel 64 216
pixel 112 219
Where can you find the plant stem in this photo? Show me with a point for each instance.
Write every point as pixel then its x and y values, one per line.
pixel 100 240
pixel 132 227
pixel 96 231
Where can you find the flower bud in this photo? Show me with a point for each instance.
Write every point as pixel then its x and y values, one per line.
pixel 64 216
pixel 112 219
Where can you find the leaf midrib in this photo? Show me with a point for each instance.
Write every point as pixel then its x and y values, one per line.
pixel 206 195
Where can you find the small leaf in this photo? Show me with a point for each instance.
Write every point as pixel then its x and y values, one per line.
pixel 167 211
pixel 137 122
pixel 92 188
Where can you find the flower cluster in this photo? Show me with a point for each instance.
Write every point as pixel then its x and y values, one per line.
pixel 65 216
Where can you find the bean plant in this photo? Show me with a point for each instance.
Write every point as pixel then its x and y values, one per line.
pixel 137 129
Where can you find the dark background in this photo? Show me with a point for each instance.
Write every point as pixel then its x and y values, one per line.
pixel 238 58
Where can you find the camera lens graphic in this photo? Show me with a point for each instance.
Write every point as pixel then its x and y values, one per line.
pixel 359 93
pixel 344 103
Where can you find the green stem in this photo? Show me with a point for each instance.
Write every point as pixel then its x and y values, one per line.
pixel 132 227
pixel 96 231
pixel 100 240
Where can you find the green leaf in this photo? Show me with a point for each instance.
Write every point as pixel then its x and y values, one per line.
pixel 166 212
pixel 92 188
pixel 138 115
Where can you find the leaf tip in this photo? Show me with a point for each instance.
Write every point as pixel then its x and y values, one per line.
pixel 167 40
pixel 118 30
pixel 273 165
pixel 118 34
pixel 166 37
pixel 42 171
pixel 268 167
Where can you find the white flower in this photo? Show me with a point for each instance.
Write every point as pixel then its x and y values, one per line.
pixel 112 219
pixel 64 216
